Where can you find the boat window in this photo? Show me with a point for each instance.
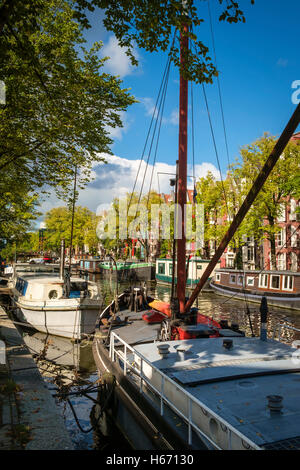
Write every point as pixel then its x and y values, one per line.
pixel 161 268
pixel 53 294
pixel 287 283
pixel 275 282
pixel 232 278
pixel 263 280
pixel 21 286
pixel 218 277
pixel 250 281
pixel 76 288
pixel 240 280
pixel 170 269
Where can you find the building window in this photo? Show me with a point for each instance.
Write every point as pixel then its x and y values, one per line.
pixel 281 237
pixel 294 262
pixel 161 268
pixel 232 279
pixel 250 253
pixel 230 261
pixel 250 281
pixel 293 206
pixel 275 282
pixel 281 264
pixel 287 282
pixel 263 281
pixel 294 238
pixel 281 217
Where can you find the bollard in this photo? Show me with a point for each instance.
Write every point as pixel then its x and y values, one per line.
pixel 263 318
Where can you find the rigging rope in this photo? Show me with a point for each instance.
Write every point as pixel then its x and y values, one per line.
pixel 167 67
pixel 218 82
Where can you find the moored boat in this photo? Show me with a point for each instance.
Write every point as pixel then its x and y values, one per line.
pixel 60 304
pixel 42 302
pixel 89 265
pixel 196 266
pixel 215 390
pixel 281 288
pixel 128 270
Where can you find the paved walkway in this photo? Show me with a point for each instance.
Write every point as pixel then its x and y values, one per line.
pixel 29 417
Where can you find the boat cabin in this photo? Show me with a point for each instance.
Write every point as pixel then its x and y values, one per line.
pixel 51 288
pixel 90 265
pixel 196 267
pixel 273 282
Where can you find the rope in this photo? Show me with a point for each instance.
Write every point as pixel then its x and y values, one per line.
pixel 149 130
pixel 159 128
pixel 218 82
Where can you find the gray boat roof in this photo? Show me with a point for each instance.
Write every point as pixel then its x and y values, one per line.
pixel 235 383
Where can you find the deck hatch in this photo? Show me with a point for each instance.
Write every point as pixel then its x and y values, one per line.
pixel 287 444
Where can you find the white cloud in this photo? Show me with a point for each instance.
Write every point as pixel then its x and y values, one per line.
pixel 117 132
pixel 174 118
pixel 116 179
pixel 118 63
pixel 149 106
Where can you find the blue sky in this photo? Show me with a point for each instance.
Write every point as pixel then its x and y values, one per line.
pixel 258 61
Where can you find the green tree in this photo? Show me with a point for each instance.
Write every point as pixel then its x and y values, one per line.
pixel 59 102
pixel 18 206
pixel 261 220
pixel 151 25
pixel 58 222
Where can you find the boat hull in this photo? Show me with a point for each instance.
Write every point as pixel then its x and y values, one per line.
pixel 75 322
pixel 287 302
pixel 137 419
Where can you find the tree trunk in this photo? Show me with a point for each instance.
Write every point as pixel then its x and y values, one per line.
pixel 273 252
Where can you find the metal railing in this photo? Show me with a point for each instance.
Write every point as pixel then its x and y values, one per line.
pixel 143 379
pixel 281 326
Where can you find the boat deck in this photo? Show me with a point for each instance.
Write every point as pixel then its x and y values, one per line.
pixel 236 383
pixel 135 330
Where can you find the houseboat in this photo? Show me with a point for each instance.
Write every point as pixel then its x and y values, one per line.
pixel 128 270
pixel 196 266
pixel 281 288
pixel 89 265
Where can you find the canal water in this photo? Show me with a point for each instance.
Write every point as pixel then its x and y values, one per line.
pixel 70 373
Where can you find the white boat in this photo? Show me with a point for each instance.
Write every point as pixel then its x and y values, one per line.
pixel 12 271
pixel 42 301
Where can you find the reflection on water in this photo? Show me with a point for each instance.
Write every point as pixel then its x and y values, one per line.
pixel 70 366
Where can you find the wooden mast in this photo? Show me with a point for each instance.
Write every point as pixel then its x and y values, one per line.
pixel 182 172
pixel 259 182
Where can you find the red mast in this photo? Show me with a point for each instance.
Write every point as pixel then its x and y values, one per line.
pixel 182 172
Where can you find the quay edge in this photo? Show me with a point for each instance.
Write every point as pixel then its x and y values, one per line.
pixel 33 407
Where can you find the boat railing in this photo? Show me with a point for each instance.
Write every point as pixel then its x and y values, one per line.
pixel 280 327
pixel 116 350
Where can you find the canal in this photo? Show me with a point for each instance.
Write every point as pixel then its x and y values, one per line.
pixel 69 370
